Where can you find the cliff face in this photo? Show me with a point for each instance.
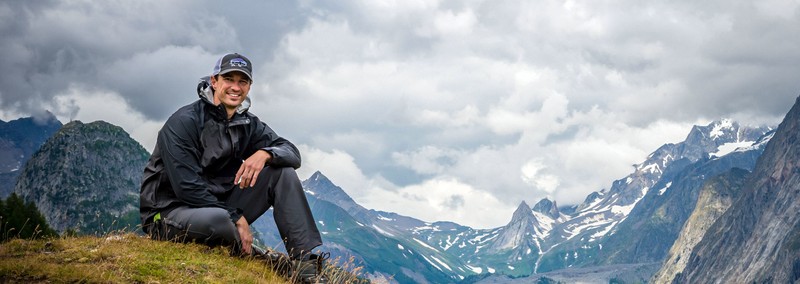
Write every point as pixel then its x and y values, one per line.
pixel 758 238
pixel 714 199
pixel 86 177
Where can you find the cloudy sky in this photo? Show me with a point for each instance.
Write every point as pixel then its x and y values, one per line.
pixel 440 110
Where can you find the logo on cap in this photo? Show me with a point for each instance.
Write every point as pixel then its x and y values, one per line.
pixel 238 62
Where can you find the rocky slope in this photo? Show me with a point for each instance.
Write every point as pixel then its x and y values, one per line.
pixel 19 139
pixel 86 177
pixel 758 239
pixel 715 198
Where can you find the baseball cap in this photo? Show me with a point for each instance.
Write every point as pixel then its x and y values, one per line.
pixel 233 62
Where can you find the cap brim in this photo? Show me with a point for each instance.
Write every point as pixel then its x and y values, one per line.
pixel 239 70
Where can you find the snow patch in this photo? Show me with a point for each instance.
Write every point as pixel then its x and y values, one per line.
pixel 622 210
pixel 442 263
pixel 719 129
pixel 382 218
pixel 728 148
pixel 477 270
pixel 661 191
pixel 424 244
pixel 431 262
pixel 651 168
pixel 382 231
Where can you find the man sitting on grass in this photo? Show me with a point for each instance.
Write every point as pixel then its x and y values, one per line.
pixel 216 168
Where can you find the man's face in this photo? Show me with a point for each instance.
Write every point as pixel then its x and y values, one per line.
pixel 230 89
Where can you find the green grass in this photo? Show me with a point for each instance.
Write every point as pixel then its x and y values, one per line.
pixel 125 258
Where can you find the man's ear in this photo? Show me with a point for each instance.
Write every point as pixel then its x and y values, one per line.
pixel 213 81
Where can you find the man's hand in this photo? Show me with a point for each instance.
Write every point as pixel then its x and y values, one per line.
pixel 248 172
pixel 244 233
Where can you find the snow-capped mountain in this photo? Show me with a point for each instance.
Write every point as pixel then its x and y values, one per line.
pixel 396 248
pixel 602 212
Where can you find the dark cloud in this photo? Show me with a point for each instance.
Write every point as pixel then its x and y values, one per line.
pixel 150 53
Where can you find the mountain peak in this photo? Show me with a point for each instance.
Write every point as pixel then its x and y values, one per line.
pixel 323 188
pixel 319 181
pixel 547 207
pixel 86 164
pixel 523 212
pixel 319 177
pixel 717 132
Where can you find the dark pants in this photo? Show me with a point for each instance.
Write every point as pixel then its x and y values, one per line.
pixel 276 187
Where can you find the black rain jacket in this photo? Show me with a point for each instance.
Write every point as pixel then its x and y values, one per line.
pixel 199 151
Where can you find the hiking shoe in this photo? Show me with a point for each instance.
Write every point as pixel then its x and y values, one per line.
pixel 278 261
pixel 266 254
pixel 310 271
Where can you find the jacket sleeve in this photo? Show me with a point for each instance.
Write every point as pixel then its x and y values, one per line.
pixel 284 153
pixel 179 139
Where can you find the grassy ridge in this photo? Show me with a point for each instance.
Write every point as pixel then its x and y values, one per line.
pixel 125 258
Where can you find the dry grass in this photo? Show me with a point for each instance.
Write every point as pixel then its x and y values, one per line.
pixel 125 258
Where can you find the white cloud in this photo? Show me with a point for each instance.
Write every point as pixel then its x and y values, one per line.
pixel 443 199
pixel 532 175
pixel 88 106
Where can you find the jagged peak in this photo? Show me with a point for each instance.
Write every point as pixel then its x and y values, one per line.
pixel 715 130
pixel 523 212
pixel 318 179
pixel 523 206
pixel 318 176
pixel 547 207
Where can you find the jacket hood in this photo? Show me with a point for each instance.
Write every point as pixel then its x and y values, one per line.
pixel 206 93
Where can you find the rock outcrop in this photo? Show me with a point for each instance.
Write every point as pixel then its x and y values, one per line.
pixel 714 199
pixel 758 239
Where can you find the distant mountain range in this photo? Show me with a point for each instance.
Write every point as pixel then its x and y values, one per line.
pixel 690 203
pixel 635 222
pixel 19 139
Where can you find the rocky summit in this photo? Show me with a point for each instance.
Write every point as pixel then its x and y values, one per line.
pixel 86 178
pixel 757 240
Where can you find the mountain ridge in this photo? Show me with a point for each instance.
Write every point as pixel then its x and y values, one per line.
pixel 758 238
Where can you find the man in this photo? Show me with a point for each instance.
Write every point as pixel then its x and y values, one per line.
pixel 216 168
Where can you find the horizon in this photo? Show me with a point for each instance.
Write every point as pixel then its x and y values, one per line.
pixel 433 109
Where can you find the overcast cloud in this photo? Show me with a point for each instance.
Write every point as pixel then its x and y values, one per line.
pixel 440 110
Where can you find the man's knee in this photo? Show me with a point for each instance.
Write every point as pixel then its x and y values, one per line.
pixel 220 228
pixel 208 225
pixel 282 172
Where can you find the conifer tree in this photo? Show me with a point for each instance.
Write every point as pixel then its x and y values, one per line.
pixel 21 220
